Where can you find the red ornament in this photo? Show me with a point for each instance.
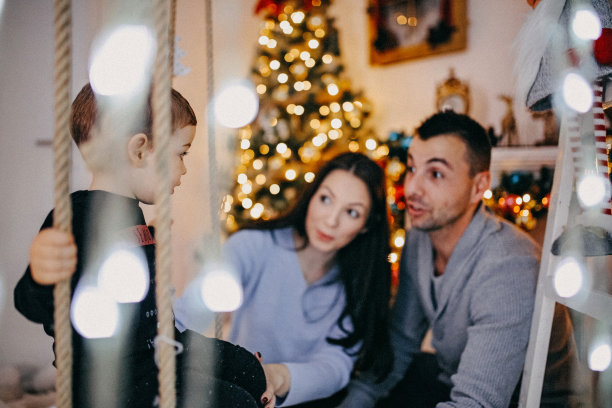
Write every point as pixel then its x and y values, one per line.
pixel 272 6
pixel 602 47
pixel 546 200
pixel 276 6
pixel 507 204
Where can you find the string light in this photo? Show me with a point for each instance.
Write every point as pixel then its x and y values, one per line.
pixel 282 78
pixel 124 276
pixel 94 314
pixel 281 148
pixel 290 174
pixel 568 277
pixel 298 17
pixel 586 24
pixel 247 203
pixel 309 177
pixel 333 134
pixel 121 62
pixel 577 92
pixel 236 105
pixel 221 291
pixel 257 210
pixel 600 357
pixel 592 190
pixel 332 89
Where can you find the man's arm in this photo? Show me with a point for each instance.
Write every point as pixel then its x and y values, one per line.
pixel 501 310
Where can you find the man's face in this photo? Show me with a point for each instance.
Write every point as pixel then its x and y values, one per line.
pixel 438 188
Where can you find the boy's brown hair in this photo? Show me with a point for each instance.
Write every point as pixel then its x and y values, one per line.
pixel 85 114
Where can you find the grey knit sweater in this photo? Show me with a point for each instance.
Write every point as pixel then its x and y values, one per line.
pixel 480 316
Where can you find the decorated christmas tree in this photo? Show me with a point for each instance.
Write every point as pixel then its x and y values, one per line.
pixel 308 112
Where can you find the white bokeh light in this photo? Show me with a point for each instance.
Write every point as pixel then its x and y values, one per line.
pixel 122 63
pixel 577 92
pixel 592 190
pixel 568 277
pixel 221 291
pixel 600 357
pixel 94 314
pixel 236 105
pixel 124 277
pixel 586 24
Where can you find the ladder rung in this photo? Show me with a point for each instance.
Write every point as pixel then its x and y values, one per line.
pixel 595 304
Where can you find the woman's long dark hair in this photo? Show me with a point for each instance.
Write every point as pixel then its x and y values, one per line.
pixel 364 269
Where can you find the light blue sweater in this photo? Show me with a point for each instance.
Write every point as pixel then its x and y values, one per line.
pixel 284 318
pixel 482 319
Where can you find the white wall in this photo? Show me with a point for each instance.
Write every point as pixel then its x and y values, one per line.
pixel 402 94
pixel 26 112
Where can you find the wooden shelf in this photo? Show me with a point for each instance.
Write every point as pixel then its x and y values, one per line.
pixel 524 158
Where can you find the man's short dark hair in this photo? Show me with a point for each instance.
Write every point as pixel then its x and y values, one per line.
pixel 467 129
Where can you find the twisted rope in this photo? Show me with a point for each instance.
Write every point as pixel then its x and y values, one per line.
pixel 171 34
pixel 62 216
pixel 215 244
pixel 160 102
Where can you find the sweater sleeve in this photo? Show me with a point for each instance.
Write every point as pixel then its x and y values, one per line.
pixel 501 310
pixel 326 371
pixel 34 301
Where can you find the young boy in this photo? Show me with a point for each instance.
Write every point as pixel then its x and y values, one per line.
pixel 120 370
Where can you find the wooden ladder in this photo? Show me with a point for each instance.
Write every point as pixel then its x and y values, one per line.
pixel 564 212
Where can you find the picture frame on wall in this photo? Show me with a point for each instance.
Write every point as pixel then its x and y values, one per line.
pixel 407 29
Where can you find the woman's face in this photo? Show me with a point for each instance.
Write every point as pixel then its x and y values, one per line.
pixel 337 212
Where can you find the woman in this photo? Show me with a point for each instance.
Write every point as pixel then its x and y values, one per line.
pixel 317 284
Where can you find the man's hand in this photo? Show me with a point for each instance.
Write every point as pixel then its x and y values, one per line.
pixel 52 256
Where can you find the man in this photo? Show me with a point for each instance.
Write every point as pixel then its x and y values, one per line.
pixel 465 273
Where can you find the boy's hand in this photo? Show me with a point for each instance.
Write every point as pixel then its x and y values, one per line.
pixel 52 256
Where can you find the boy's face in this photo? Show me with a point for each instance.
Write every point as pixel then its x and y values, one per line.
pixel 178 147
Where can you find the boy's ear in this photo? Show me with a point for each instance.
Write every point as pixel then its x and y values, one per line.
pixel 138 148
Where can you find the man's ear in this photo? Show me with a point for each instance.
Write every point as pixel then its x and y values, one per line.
pixel 482 182
pixel 138 148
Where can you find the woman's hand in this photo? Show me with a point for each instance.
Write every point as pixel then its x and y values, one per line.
pixel 278 381
pixel 53 256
